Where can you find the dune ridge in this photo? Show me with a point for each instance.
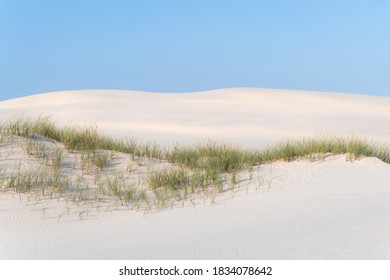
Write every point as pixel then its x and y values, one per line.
pixel 248 117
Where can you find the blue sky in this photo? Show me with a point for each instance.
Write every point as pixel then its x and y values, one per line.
pixel 180 46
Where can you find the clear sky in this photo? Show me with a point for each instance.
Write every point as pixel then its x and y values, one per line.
pixel 192 45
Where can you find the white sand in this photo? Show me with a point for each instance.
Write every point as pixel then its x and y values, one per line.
pixel 332 209
pixel 250 117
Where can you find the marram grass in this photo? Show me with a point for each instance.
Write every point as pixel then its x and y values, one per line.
pixel 201 169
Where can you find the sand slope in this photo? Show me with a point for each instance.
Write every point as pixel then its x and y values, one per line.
pixel 251 117
pixel 331 209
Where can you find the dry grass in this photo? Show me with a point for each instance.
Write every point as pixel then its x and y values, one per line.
pixel 202 170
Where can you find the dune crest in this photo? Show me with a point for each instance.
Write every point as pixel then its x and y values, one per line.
pixel 245 116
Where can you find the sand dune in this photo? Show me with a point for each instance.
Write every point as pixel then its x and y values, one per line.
pixel 329 209
pixel 250 117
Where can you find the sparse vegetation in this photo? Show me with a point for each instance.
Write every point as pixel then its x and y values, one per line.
pixel 35 148
pixel 202 170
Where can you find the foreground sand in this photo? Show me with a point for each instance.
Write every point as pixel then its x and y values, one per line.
pixel 331 209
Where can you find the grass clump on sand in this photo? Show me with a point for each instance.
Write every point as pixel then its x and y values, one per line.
pixel 204 169
pixel 321 146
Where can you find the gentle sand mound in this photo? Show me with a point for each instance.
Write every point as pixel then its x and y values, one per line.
pixel 250 117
